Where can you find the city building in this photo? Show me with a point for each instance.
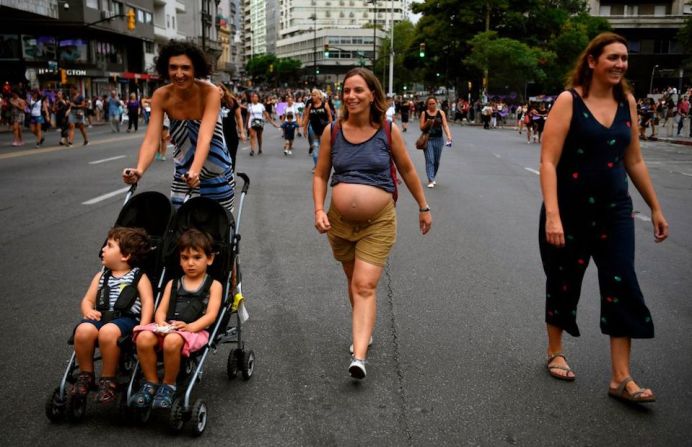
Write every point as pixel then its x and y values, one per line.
pixel 229 66
pixel 200 23
pixel 51 44
pixel 300 29
pixel 656 58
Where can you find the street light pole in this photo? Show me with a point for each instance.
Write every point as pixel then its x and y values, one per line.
pixel 391 49
pixel 374 33
pixel 651 80
pixel 314 46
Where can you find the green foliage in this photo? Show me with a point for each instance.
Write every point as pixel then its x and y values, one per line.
pixel 404 38
pixel 267 68
pixel 508 61
pixel 552 33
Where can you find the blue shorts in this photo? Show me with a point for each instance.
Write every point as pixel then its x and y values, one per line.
pixel 36 120
pixel 125 324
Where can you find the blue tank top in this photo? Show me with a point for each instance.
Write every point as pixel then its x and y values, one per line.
pixel 367 163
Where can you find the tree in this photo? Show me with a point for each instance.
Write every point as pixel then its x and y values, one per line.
pixel 258 67
pixel 509 62
pixel 404 36
pixel 288 70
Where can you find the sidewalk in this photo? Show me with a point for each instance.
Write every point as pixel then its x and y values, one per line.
pixel 673 139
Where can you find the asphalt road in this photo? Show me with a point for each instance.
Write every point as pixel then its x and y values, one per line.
pixel 460 342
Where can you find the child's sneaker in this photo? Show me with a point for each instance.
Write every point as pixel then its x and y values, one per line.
pixel 85 380
pixel 357 368
pixel 143 397
pixel 107 387
pixel 164 397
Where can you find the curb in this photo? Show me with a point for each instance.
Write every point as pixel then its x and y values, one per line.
pixel 687 142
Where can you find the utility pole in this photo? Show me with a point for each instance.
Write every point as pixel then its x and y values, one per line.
pixel 374 33
pixel 391 49
pixel 314 46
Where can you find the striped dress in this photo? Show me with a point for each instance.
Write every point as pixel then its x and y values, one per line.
pixel 216 179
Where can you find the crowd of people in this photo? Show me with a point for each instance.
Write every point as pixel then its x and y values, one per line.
pixel 66 110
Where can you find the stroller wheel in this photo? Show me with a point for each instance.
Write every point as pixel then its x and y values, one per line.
pixel 199 417
pixel 55 406
pixel 76 408
pixel 233 363
pixel 176 418
pixel 247 367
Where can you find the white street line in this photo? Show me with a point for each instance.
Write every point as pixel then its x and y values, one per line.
pixel 643 217
pixel 533 170
pixel 106 196
pixel 106 159
pixel 686 173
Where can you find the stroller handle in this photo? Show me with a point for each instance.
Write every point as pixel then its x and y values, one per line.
pixel 130 192
pixel 246 181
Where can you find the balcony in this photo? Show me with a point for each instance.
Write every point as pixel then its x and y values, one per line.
pixel 179 7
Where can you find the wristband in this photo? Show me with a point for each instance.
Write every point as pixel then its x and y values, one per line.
pixel 424 210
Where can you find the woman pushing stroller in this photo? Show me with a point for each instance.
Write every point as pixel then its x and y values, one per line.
pixel 189 306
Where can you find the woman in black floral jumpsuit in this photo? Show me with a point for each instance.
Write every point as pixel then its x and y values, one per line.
pixel 590 147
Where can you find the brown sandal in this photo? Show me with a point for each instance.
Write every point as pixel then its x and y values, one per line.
pixel 564 377
pixel 622 394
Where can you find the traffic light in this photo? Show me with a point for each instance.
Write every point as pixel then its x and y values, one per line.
pixel 131 20
pixel 326 50
pixel 421 50
pixel 317 71
pixel 63 76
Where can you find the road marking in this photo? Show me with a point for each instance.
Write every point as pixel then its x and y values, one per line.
pixel 47 150
pixel 686 173
pixel 106 159
pixel 638 215
pixel 497 155
pixel 533 170
pixel 106 196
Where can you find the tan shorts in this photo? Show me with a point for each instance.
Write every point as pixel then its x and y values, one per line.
pixel 370 241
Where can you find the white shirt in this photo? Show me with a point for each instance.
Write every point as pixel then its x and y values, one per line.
pixel 390 113
pixel 255 111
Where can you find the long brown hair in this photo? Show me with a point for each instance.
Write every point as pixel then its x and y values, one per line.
pixel 227 99
pixel 378 107
pixel 581 75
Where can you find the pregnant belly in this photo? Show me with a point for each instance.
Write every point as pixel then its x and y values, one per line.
pixel 358 203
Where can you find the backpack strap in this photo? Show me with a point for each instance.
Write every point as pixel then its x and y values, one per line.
pixel 172 300
pixel 392 166
pixel 104 293
pixel 129 294
pixel 334 130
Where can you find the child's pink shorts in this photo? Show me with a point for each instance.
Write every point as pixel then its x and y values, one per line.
pixel 193 341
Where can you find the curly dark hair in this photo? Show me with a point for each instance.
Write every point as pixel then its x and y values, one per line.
pixel 199 60
pixel 133 242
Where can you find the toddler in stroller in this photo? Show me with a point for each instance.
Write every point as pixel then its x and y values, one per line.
pixel 188 307
pixel 119 298
pixel 116 298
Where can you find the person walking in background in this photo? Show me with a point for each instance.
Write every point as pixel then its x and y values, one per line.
pixel 683 109
pixel 60 108
pixel 133 108
pixel 233 130
pixel 591 146
pixel 17 107
pixel 316 117
pixel 37 106
pixel 404 110
pixel 77 110
pixel 434 122
pixel 257 116
pixel 146 108
pixel 361 223
pixel 114 111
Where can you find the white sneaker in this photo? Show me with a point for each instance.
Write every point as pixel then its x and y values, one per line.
pixel 285 151
pixel 431 185
pixel 290 152
pixel 357 368
pixel 369 344
pixel 434 183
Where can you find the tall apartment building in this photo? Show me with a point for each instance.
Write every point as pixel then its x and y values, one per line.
pixel 650 26
pixel 303 27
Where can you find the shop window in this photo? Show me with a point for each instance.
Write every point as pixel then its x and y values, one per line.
pixel 9 46
pixel 38 48
pixel 73 50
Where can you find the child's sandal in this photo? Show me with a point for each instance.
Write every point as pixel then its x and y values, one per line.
pixel 107 388
pixel 145 395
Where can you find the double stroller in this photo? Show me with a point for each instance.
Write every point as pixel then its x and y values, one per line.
pixel 153 212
